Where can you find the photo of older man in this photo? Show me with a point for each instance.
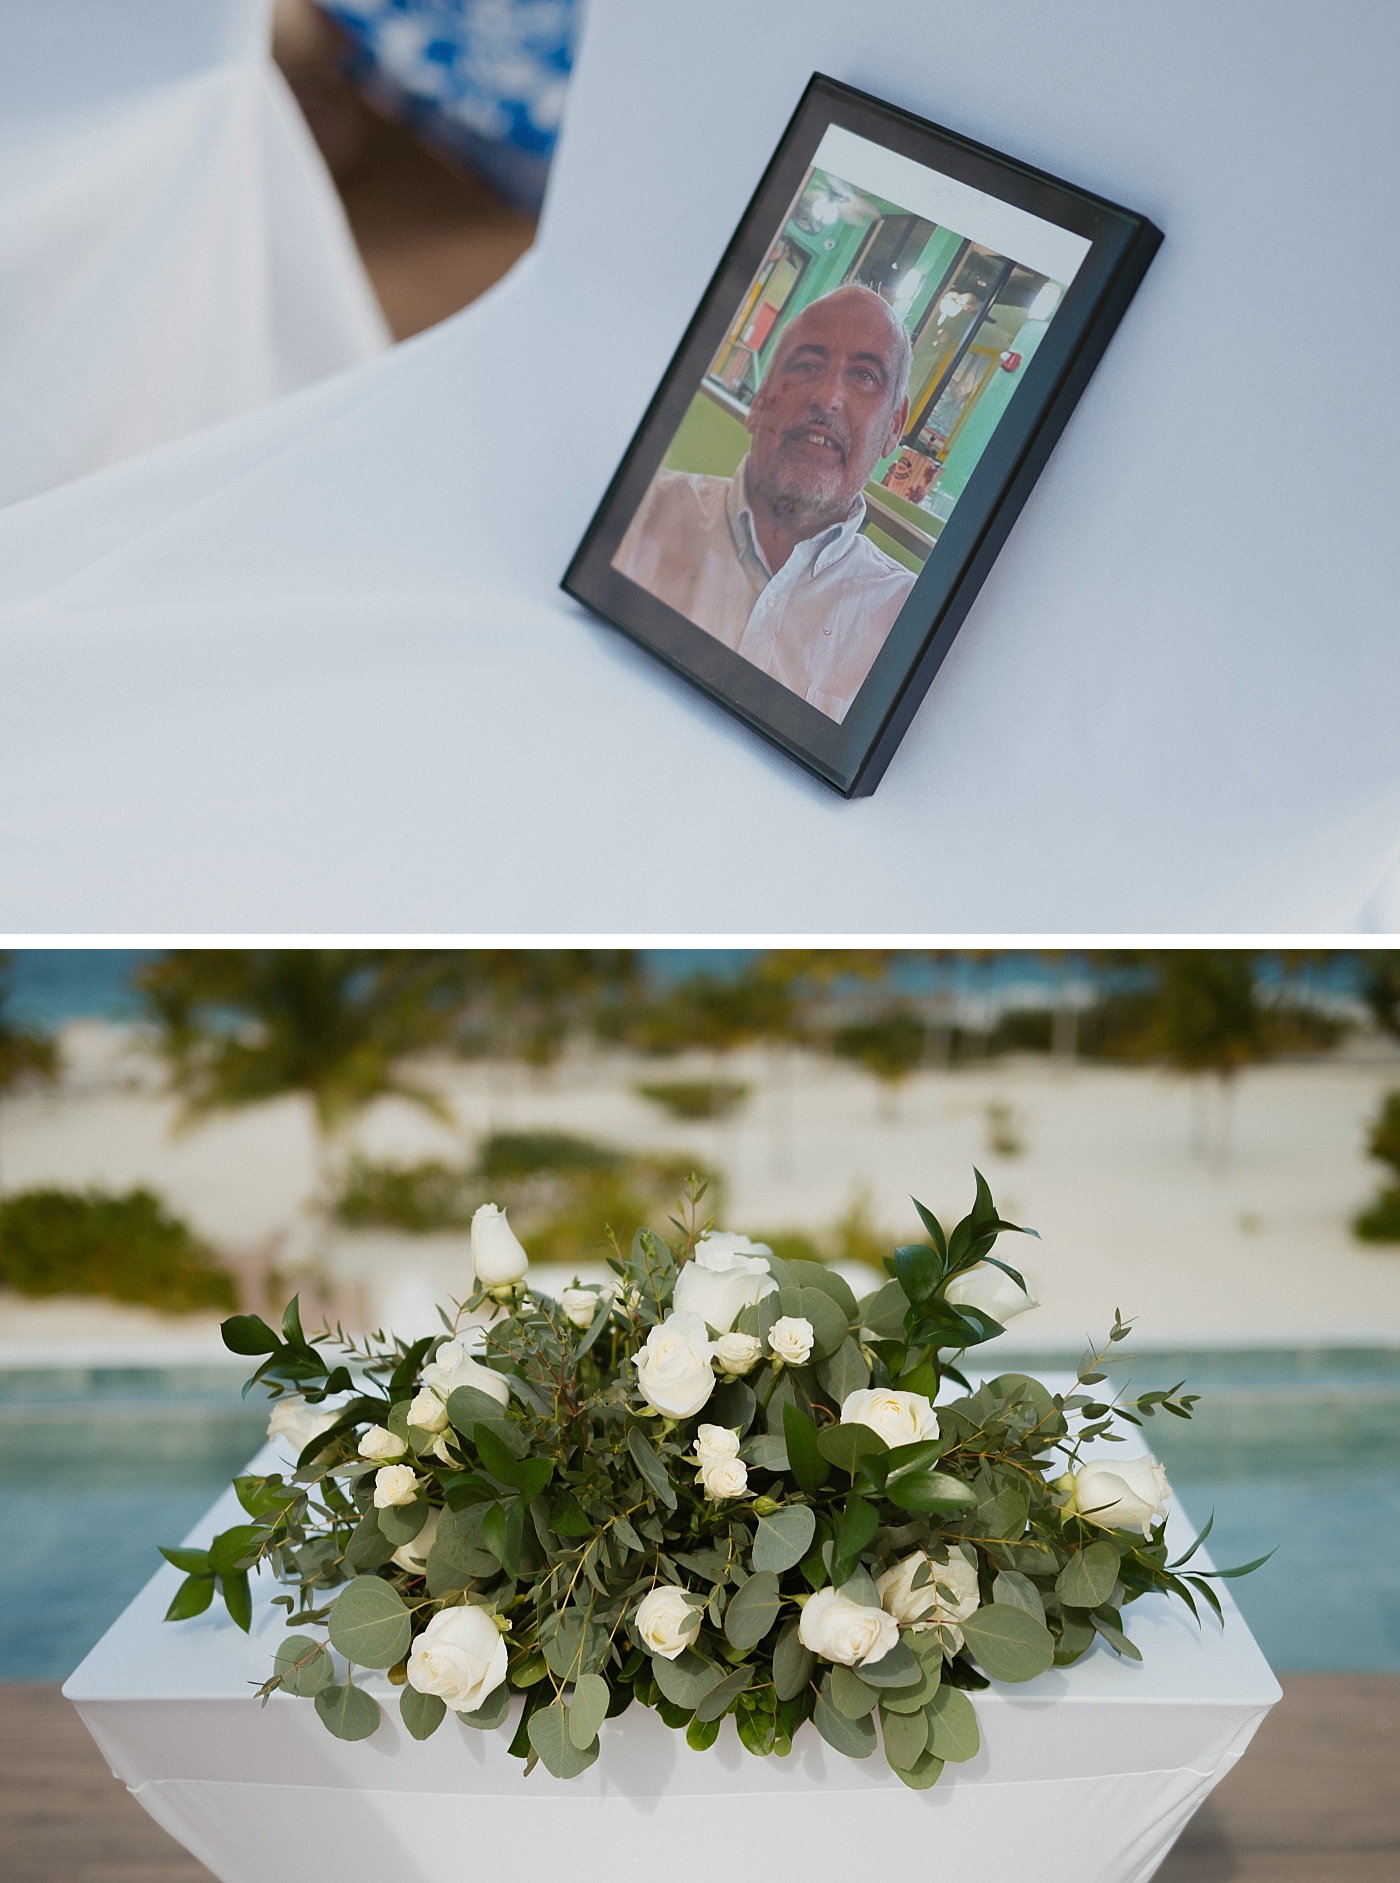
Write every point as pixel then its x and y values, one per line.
pixel 771 561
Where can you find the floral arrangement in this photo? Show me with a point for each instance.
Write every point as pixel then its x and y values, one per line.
pixel 717 1487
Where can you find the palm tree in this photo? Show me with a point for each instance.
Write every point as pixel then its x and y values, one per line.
pixel 26 1057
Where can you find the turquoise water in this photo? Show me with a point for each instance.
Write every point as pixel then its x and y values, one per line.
pixel 1302 1450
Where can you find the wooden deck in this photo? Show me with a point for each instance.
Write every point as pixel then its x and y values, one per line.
pixel 1315 1800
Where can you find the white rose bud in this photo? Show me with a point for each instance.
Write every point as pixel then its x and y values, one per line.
pixel 427 1412
pixel 298 1423
pixel 839 1629
pixel 497 1255
pixel 1128 1494
pixel 989 1288
pixel 665 1622
pixel 714 1443
pixel 460 1656
pixel 737 1354
pixel 724 1275
pixel 452 1366
pixel 899 1418
pixel 949 1595
pixel 395 1484
pixel 790 1340
pixel 381 1445
pixel 413 1556
pixel 673 1369
pixel 726 1477
pixel 579 1305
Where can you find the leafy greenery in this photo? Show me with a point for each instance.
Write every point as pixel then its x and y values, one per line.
pixel 697 1098
pixel 561 1514
pixel 1380 1222
pixel 128 1247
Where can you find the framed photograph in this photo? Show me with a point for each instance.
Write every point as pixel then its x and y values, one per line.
pixel 872 383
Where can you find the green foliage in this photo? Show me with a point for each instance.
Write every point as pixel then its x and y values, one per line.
pixel 27 1057
pixel 128 1247
pixel 890 1047
pixel 1380 1222
pixel 697 1098
pixel 564 1513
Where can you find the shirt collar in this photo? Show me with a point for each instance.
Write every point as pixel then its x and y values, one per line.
pixel 827 547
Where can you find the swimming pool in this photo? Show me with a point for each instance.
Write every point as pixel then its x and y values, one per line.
pixel 1299 1449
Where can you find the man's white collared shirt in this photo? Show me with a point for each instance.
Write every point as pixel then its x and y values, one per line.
pixel 816 624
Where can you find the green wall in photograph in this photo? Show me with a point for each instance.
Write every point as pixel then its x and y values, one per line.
pixel 984 417
pixel 708 439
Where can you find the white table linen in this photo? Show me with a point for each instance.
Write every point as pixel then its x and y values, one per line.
pixel 172 250
pixel 1085 1775
pixel 313 672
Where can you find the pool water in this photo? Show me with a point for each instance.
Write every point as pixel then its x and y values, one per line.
pixel 1299 1450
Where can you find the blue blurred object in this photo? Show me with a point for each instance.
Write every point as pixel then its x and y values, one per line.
pixel 483 79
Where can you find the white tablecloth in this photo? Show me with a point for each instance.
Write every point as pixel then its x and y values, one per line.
pixel 172 251
pixel 312 671
pixel 1085 1776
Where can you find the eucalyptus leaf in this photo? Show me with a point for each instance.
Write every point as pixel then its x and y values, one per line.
pixel 368 1547
pixel 784 1537
pixel 931 1492
pixel 926 1770
pixel 915 1698
pixel 1018 1591
pixel 548 1731
pixel 349 1712
pixel 491 1712
pixel 752 1610
pixel 315 1670
pixel 805 1460
pixel 845 1445
pixel 686 1680
pixel 905 1736
pixel 884 1311
pixel 898 1668
pixel 651 1469
pixel 952 1730
pixel 766 1450
pixel 1008 1643
pixel 1115 1637
pixel 829 1325
pixel 421 1713
pixel 402 1522
pixel 850 1695
pixel 732 1404
pixel 817 1275
pixel 1088 1577
pixel 369 1623
pixel 793 1665
pixel 467 1404
pixel 855 1738
pixel 720 1698
pixel 843 1372
pixel 588 1710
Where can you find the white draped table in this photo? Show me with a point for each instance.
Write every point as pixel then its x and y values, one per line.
pixel 172 249
pixel 1086 1775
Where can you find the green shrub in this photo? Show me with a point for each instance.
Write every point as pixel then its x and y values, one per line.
pixel 890 1046
pixel 1381 1222
pixel 697 1098
pixel 130 1248
pixel 420 1198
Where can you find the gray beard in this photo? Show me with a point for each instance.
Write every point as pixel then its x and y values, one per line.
pixel 809 504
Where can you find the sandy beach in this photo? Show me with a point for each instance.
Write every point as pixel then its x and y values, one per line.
pixel 1252 1248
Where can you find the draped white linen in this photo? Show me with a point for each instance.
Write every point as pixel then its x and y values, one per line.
pixel 172 251
pixel 312 671
pixel 1085 1775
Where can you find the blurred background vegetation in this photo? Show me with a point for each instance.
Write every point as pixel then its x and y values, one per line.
pixel 343 1028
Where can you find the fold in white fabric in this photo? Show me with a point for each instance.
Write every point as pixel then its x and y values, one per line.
pixel 312 671
pixel 172 251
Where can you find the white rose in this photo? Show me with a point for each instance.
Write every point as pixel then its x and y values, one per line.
pixel 839 1629
pixel 427 1412
pixel 948 1596
pixel 298 1423
pixel 1129 1494
pixel 987 1287
pixel 414 1556
pixel 452 1366
pixel 737 1354
pixel 725 1274
pixel 899 1418
pixel 460 1656
pixel 395 1484
pixel 381 1445
pixel 579 1305
pixel 790 1339
pixel 497 1255
pixel 665 1622
pixel 715 1443
pixel 673 1369
pixel 726 1477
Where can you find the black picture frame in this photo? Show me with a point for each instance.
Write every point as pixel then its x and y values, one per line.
pixel 852 754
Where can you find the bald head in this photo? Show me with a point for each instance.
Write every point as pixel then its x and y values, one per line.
pixel 833 402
